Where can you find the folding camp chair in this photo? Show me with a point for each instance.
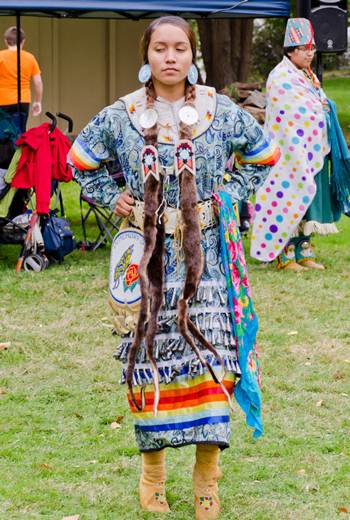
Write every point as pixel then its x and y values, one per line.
pixel 107 222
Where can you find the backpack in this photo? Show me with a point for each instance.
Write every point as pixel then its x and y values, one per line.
pixel 57 234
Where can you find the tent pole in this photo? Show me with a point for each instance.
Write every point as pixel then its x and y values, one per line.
pixel 18 19
pixel 319 67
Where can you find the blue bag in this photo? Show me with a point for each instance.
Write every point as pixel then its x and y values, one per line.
pixel 20 120
pixel 57 234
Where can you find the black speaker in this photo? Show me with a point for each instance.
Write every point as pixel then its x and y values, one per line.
pixel 329 19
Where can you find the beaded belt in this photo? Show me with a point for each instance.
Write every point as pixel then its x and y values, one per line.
pixel 173 219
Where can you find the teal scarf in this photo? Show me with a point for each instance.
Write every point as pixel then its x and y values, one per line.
pixel 8 128
pixel 244 319
pixel 340 159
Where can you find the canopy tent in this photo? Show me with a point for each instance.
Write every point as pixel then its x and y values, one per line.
pixel 140 9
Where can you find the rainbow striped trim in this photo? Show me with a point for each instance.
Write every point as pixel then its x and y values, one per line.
pixel 81 157
pixel 185 404
pixel 268 153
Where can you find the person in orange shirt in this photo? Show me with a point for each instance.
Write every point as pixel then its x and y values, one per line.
pixel 8 76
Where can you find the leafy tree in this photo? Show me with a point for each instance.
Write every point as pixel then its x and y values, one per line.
pixel 267 49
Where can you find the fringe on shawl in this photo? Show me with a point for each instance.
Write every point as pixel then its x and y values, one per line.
pixel 340 159
pixel 312 226
pixel 321 229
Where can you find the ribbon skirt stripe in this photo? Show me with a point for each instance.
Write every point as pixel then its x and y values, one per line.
pixel 197 408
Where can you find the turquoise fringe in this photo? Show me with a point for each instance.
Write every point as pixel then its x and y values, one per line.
pixel 340 160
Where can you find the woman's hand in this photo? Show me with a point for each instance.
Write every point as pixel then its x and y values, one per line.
pixel 215 204
pixel 124 204
pixel 325 105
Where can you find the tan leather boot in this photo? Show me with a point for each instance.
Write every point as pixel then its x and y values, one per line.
pixel 206 474
pixel 152 482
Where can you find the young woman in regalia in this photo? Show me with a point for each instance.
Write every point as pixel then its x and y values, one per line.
pixel 188 349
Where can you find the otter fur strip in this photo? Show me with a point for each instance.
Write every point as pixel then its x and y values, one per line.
pixel 156 280
pixel 201 339
pixel 194 259
pixel 150 236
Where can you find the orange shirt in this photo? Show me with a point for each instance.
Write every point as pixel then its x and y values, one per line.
pixel 8 76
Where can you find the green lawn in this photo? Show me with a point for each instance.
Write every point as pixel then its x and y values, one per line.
pixel 337 89
pixel 59 393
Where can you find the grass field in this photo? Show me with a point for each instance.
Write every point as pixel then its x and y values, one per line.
pixel 337 89
pixel 59 394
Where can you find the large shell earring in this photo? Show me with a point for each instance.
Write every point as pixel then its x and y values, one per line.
pixel 192 75
pixel 144 73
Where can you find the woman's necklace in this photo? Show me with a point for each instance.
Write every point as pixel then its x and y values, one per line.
pixel 169 130
pixel 315 85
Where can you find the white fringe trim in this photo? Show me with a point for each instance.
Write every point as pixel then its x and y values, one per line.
pixel 296 232
pixel 312 226
pixel 299 229
pixel 321 229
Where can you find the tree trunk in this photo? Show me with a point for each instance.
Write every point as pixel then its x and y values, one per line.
pixel 236 30
pixel 222 72
pixel 246 47
pixel 226 46
pixel 205 34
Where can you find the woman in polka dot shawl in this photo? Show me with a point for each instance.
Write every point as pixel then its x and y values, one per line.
pixel 295 200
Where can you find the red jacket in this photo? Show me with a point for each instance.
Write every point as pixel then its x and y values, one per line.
pixel 44 157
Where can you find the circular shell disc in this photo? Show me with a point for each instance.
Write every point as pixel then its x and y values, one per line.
pixel 148 118
pixel 188 115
